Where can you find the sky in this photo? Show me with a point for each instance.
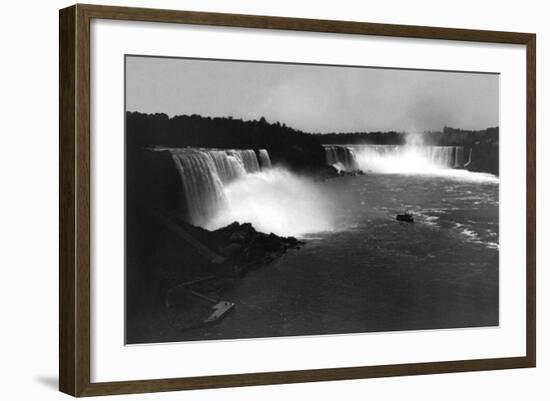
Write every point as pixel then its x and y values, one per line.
pixel 313 98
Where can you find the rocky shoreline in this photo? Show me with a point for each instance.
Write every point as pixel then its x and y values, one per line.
pixel 183 271
pixel 241 248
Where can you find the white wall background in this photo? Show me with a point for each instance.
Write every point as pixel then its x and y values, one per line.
pixel 29 185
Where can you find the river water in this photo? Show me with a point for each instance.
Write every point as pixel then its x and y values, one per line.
pixel 360 270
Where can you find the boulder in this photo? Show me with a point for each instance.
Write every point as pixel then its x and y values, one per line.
pixel 231 250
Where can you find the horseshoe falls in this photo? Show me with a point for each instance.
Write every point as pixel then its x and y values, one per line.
pixel 406 159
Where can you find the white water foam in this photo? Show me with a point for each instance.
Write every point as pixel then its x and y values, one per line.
pixel 407 159
pixel 472 236
pixel 277 201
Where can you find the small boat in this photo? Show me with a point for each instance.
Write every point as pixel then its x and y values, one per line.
pixel 406 217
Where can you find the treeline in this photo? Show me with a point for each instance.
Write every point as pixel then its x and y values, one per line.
pixel 359 138
pixel 296 149
pixel 459 137
pixel 447 137
pixel 286 145
pixel 484 145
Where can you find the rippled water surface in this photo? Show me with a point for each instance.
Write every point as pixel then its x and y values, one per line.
pixel 372 273
pixel 462 208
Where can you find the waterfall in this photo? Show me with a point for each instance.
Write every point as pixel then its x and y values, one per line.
pixel 204 174
pixel 237 165
pixel 459 157
pixel 469 158
pixel 442 156
pixel 265 160
pixel 341 156
pixel 227 167
pixel 202 186
pixel 394 158
pixel 247 158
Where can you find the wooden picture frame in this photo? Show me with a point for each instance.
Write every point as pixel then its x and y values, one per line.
pixel 74 203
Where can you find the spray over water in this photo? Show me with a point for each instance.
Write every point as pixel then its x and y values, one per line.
pixel 277 201
pixel 223 186
pixel 414 157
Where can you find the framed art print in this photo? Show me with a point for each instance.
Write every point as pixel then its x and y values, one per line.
pixel 254 200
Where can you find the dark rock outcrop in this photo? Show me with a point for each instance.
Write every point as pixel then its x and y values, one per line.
pixel 243 247
pixel 152 181
pixel 352 173
pixel 485 158
pixel 166 252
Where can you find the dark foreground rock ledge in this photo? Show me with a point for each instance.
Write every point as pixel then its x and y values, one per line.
pixel 241 248
pixel 180 277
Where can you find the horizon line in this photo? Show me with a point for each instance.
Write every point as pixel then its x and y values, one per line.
pixel 311 133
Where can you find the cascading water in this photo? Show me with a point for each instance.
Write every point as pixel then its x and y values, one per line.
pixel 237 165
pixel 341 157
pixel 205 173
pixel 278 201
pixel 265 160
pixel 469 158
pixel 225 185
pixel 227 167
pixel 441 156
pixel 459 157
pixel 202 185
pixel 395 158
pixel 247 158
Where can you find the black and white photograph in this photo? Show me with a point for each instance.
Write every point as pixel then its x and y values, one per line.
pixel 270 199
